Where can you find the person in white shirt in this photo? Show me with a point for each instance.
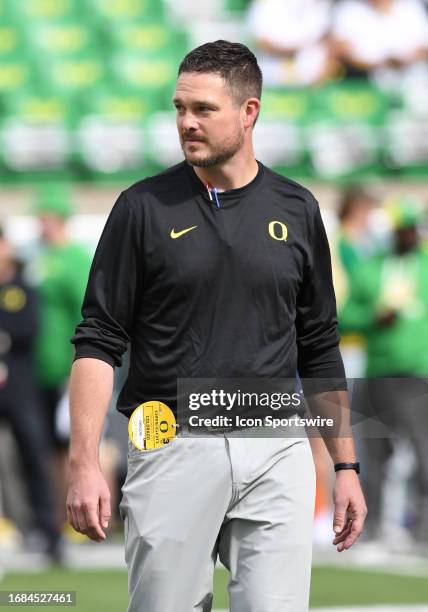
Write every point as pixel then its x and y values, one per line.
pixel 292 37
pixel 381 38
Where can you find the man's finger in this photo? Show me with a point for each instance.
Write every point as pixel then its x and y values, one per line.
pixel 347 543
pixel 94 530
pixel 357 527
pixel 104 511
pixel 73 518
pixel 345 526
pixel 81 519
pixel 351 538
pixel 340 508
pixel 342 535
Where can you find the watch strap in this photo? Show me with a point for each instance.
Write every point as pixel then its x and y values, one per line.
pixel 347 466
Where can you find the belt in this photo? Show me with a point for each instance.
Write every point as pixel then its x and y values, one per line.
pixel 201 430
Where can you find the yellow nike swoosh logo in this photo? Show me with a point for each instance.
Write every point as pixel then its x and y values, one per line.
pixel 175 234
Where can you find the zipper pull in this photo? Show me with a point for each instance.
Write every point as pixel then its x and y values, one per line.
pixel 217 201
pixel 209 187
pixel 213 190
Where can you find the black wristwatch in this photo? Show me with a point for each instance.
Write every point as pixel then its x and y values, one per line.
pixel 347 466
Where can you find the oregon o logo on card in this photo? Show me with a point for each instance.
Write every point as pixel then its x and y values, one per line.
pixel 278 230
pixel 151 425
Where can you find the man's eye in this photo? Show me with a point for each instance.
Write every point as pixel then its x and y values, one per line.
pixel 204 109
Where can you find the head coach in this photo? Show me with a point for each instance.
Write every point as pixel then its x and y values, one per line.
pixel 217 267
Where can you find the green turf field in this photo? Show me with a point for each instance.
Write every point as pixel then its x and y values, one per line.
pixel 106 590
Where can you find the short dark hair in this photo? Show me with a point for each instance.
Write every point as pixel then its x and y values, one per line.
pixel 233 61
pixel 352 198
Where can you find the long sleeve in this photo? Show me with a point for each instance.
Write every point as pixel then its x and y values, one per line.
pixel 113 286
pixel 316 321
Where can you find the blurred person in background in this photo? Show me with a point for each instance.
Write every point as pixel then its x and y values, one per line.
pixel 351 245
pixel 19 406
pixel 355 207
pixel 388 305
pixel 293 42
pixel 61 271
pixel 381 38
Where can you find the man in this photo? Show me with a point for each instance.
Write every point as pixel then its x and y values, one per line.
pixel 19 405
pixel 293 38
pixel 61 273
pixel 383 55
pixel 388 305
pixel 217 267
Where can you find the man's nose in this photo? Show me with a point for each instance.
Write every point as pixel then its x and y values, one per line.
pixel 188 122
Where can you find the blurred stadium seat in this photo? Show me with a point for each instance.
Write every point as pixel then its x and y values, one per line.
pixel 68 38
pixel 99 75
pixel 163 148
pixel 343 134
pixel 37 132
pixel 113 11
pixel 279 136
pixel 110 132
pixel 68 75
pixel 46 10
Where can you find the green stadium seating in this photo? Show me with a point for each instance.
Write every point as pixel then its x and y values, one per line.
pixel 146 37
pixel 114 11
pixel 15 75
pixel 86 87
pixel 143 71
pixel 145 55
pixel 406 141
pixel 12 43
pixel 344 130
pixel 120 104
pixel 36 134
pixel 163 146
pixel 278 135
pixel 287 104
pixel 110 134
pixel 5 11
pixel 352 101
pixel 66 76
pixel 236 6
pixel 45 10
pixel 62 39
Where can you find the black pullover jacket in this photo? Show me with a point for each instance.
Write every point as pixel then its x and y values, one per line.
pixel 243 290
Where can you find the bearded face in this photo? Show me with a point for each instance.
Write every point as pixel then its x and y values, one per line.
pixel 208 119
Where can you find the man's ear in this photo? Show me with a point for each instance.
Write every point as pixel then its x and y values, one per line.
pixel 251 110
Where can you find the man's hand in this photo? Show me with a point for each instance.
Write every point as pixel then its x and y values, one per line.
pixel 349 509
pixel 88 502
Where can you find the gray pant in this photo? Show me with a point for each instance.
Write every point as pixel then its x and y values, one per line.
pixel 247 500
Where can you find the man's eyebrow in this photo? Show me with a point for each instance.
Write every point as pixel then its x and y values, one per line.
pixel 195 102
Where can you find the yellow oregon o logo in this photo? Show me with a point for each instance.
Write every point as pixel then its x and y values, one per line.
pixel 278 234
